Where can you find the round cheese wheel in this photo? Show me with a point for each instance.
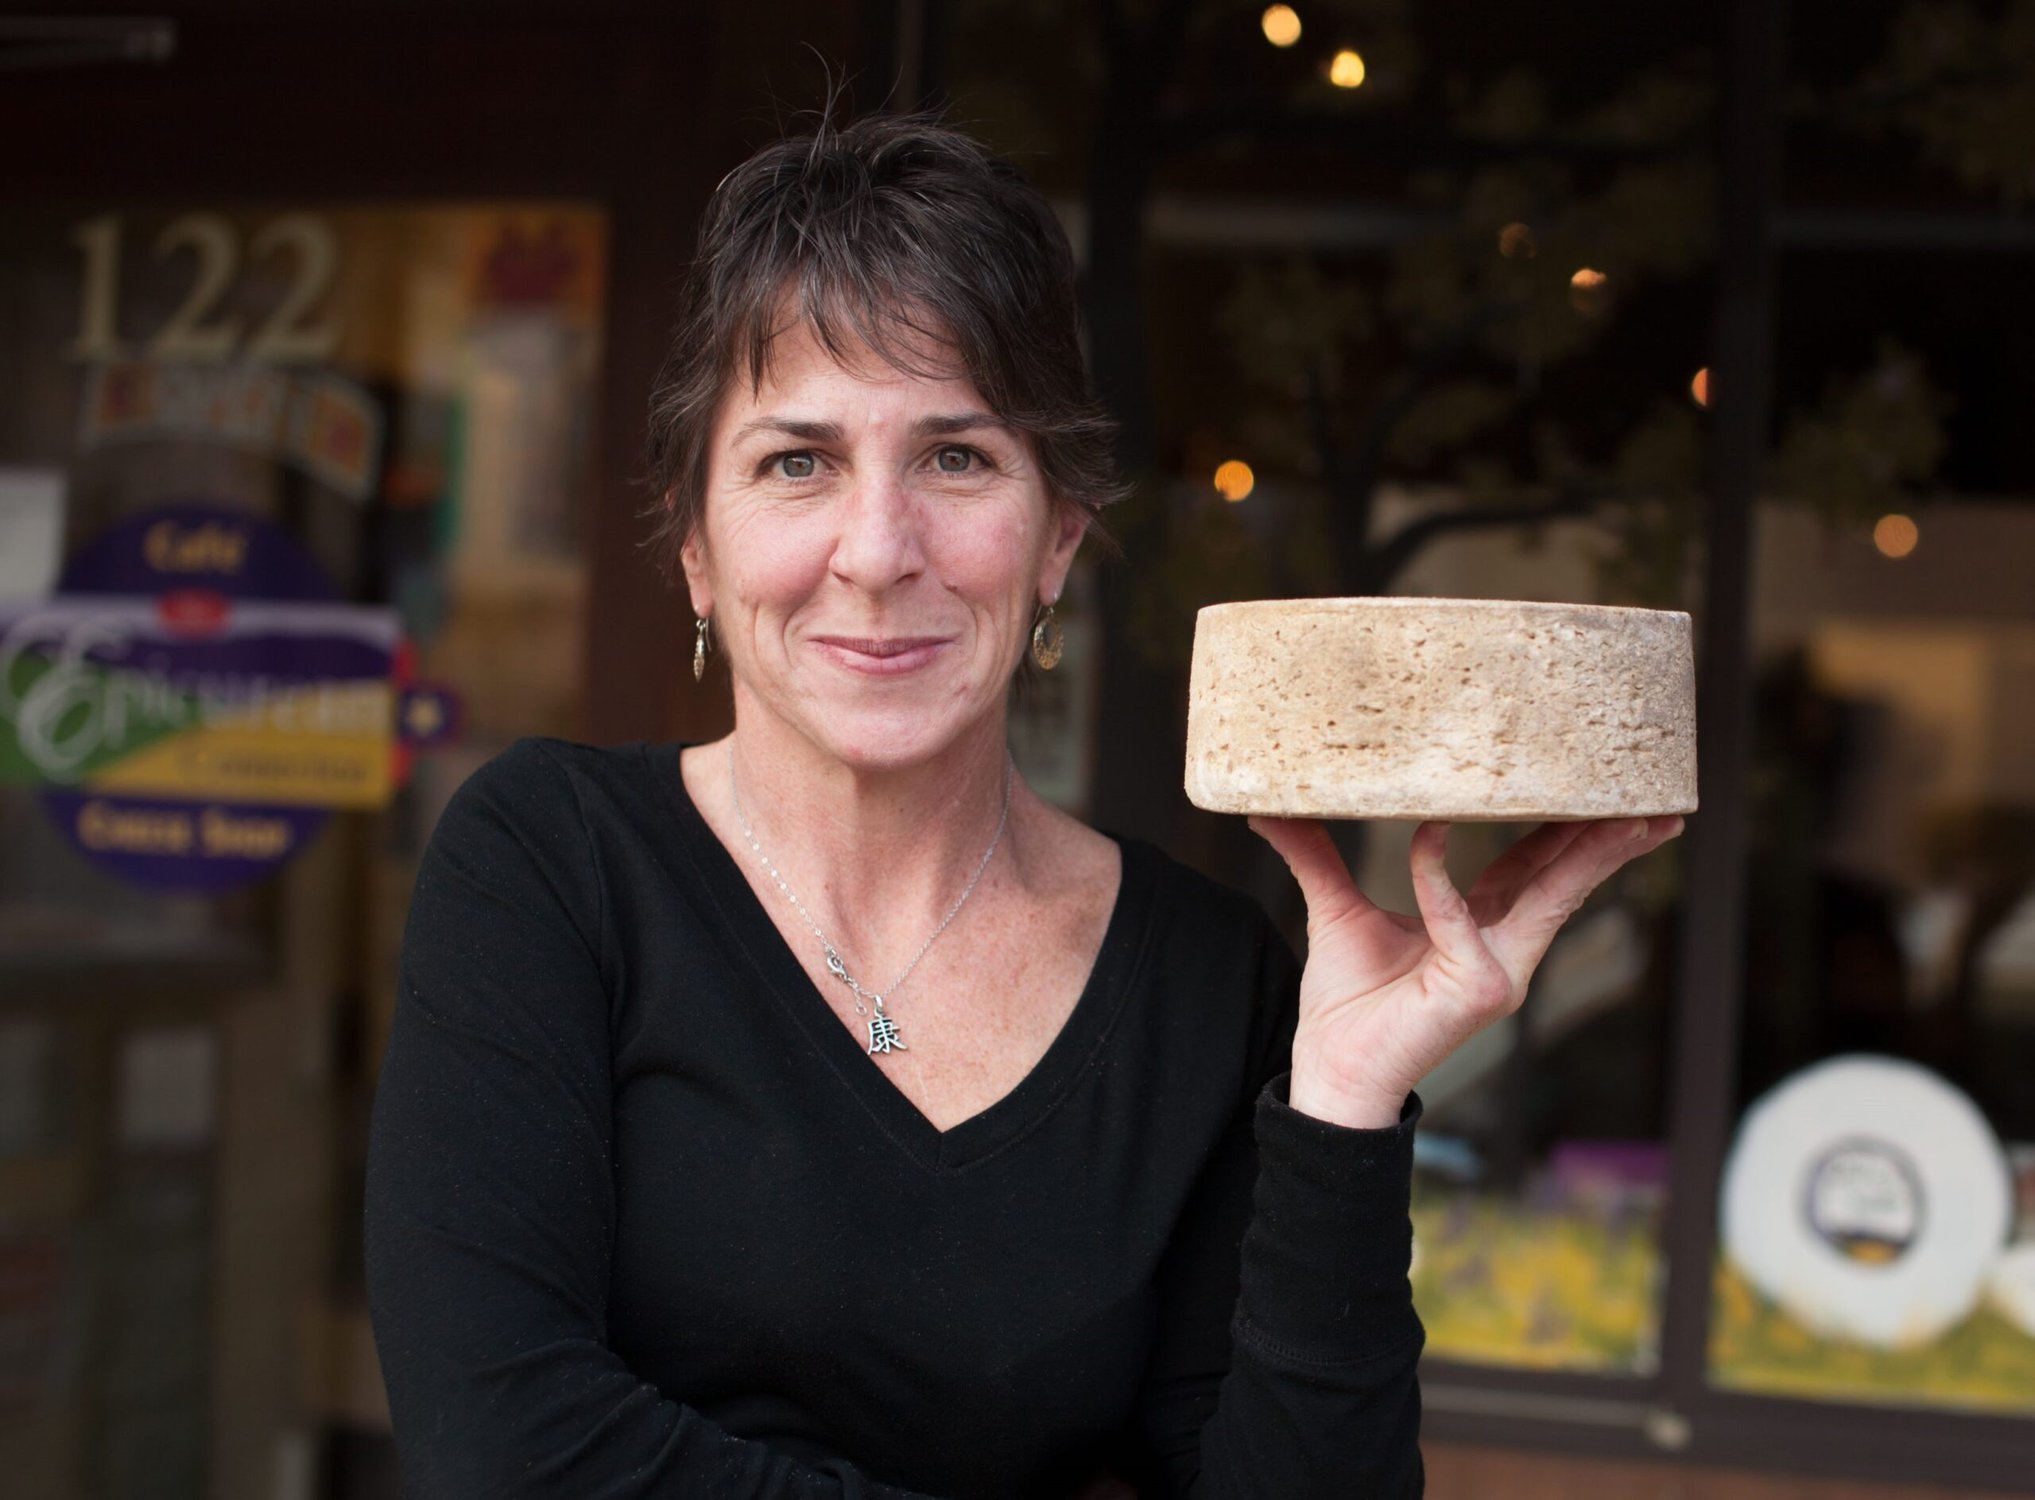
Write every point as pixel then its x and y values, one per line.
pixel 1869 1197
pixel 1462 709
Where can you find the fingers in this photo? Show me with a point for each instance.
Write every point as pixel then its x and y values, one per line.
pixel 1451 926
pixel 1494 891
pixel 1317 865
pixel 1553 895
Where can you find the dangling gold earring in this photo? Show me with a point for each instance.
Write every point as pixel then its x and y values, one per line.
pixel 1047 641
pixel 699 648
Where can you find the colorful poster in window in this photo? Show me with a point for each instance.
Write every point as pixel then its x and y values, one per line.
pixel 1564 1277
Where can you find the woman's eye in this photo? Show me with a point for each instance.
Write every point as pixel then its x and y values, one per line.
pixel 955 460
pixel 795 465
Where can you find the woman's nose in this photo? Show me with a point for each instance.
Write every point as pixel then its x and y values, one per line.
pixel 879 542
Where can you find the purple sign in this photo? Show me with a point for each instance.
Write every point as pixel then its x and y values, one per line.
pixel 211 651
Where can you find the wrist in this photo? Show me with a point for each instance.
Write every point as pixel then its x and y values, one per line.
pixel 1313 1096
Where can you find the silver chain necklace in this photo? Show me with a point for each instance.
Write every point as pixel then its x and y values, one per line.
pixel 883 1032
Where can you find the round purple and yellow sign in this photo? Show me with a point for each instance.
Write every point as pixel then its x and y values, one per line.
pixel 195 700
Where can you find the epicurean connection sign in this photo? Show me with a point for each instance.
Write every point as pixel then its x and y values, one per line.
pixel 266 702
pixel 194 702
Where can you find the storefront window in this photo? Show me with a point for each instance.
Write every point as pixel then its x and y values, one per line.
pixel 291 500
pixel 1541 1169
pixel 1878 1210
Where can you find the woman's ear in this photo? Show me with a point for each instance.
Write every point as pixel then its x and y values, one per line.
pixel 693 557
pixel 1070 525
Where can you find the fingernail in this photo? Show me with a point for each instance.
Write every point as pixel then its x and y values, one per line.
pixel 1639 830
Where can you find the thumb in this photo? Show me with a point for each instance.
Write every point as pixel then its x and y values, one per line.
pixel 1317 864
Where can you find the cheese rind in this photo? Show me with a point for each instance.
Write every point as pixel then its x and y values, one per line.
pixel 1463 709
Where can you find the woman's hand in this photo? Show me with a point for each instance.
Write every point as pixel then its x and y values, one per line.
pixel 1385 996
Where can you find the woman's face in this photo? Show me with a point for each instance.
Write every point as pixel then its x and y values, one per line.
pixel 873 549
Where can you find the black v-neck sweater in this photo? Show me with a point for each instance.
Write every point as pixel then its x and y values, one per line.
pixel 644 1219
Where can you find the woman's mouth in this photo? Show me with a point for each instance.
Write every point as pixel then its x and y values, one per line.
pixel 881 656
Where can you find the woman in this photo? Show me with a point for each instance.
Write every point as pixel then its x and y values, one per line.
pixel 820 1112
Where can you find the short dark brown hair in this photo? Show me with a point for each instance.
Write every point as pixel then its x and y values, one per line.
pixel 893 231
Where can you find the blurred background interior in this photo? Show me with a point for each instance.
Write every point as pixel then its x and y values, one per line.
pixel 338 319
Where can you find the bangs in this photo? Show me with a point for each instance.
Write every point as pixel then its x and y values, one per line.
pixel 849 322
pixel 929 294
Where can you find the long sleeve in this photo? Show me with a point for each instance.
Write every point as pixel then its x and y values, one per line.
pixel 1287 1365
pixel 490 1194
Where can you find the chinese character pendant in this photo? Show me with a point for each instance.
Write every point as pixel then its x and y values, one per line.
pixel 883 1032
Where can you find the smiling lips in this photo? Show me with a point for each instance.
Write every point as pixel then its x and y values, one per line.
pixel 881 657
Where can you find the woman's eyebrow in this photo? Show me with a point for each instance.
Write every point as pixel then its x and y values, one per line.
pixel 808 431
pixel 939 424
pixel 948 423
